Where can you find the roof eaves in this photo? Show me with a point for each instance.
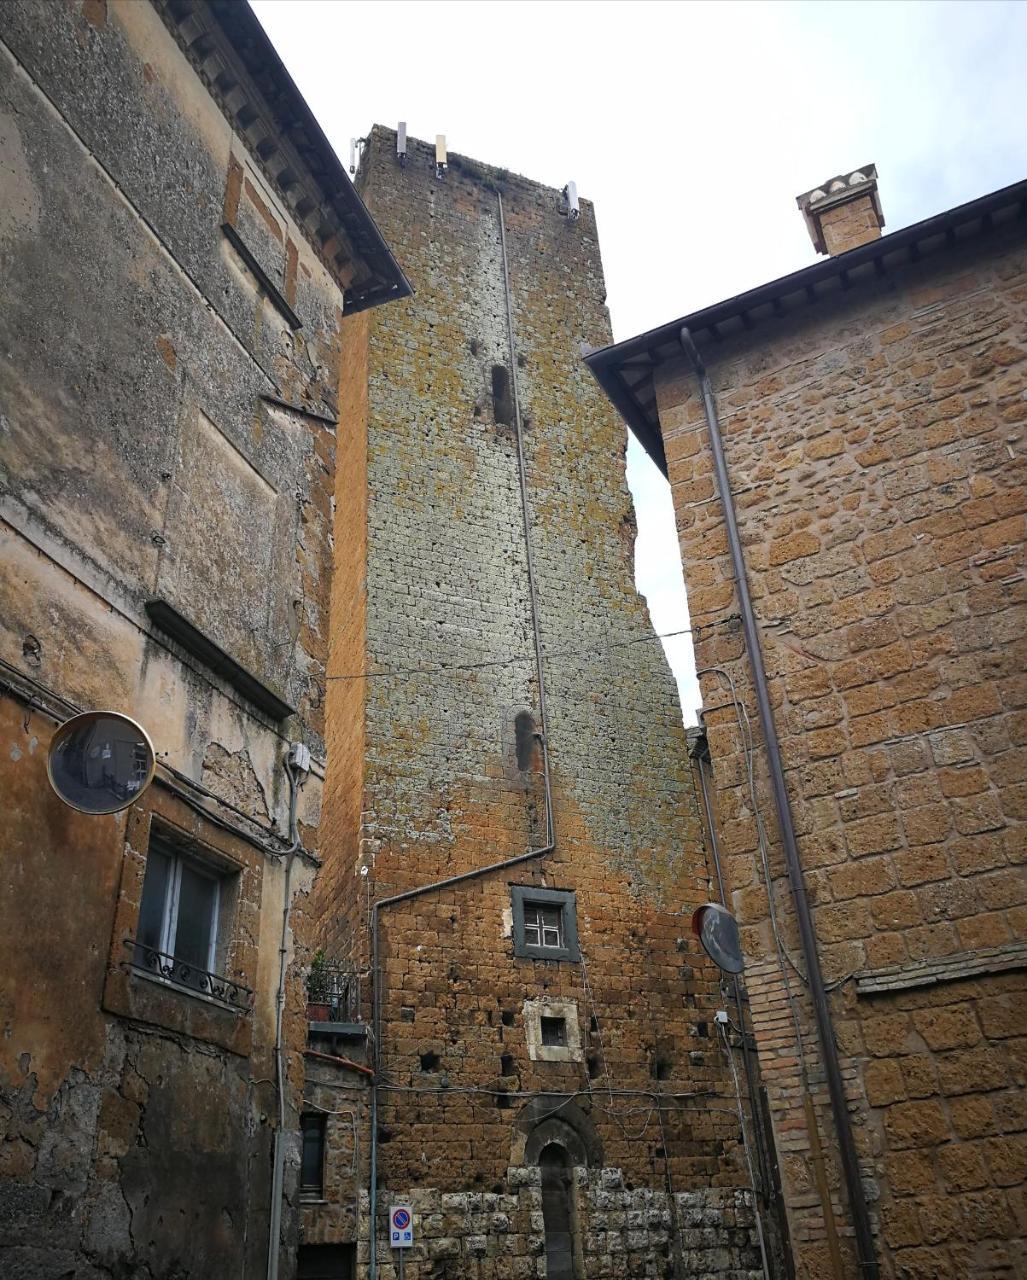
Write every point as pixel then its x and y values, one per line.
pixel 636 399
pixel 281 127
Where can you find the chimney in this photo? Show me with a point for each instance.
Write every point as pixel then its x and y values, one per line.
pixel 843 212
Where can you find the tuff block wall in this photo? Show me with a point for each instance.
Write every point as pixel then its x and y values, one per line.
pixel 431 582
pixel 875 448
pixel 162 433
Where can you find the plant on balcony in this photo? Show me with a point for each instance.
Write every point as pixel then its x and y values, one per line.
pixel 318 1003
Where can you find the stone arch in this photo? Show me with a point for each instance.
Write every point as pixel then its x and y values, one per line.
pixel 550 1120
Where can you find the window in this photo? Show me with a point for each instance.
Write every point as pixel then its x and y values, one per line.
pixel 326 1262
pixel 502 399
pixel 554 1032
pixel 312 1182
pixel 544 924
pixel 177 936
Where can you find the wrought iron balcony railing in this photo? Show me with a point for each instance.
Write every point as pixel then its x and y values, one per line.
pixel 180 974
pixel 338 988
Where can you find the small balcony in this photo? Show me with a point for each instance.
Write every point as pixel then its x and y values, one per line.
pixel 333 997
pixel 173 972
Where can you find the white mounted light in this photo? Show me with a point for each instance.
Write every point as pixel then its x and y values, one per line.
pixel 100 762
pixel 441 160
pixel 401 142
pixel 569 206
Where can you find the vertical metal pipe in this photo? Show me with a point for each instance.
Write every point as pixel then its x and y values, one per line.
pixel 522 475
pixel 278 1156
pixel 832 1067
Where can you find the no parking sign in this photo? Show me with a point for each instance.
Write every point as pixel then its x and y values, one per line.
pixel 401 1226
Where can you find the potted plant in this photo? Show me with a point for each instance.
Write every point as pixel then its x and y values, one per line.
pixel 318 1006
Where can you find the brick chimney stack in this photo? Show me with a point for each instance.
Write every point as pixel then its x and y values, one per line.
pixel 843 212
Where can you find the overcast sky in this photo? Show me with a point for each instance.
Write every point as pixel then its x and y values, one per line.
pixel 692 126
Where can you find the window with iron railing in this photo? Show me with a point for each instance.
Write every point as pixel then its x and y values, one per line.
pixel 182 934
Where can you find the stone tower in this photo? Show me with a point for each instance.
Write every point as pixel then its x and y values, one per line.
pixel 550 1086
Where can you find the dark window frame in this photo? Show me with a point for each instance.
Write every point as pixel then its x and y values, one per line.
pixel 553 1031
pixel 326 1261
pixel 563 899
pixel 313 1121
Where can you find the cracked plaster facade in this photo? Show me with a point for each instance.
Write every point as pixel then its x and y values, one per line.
pixel 166 431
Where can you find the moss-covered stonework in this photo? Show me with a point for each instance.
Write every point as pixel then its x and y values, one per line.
pixel 433 662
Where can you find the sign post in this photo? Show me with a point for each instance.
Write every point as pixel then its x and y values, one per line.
pixel 401 1230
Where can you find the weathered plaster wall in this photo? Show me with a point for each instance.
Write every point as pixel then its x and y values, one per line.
pixel 431 576
pixel 147 449
pixel 875 447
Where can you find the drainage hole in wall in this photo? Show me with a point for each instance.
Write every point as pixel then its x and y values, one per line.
pixel 430 1061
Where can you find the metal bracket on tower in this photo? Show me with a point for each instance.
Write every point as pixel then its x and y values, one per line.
pixel 441 162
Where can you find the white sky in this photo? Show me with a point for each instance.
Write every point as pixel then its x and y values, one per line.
pixel 692 126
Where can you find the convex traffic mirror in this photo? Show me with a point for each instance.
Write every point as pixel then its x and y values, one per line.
pixel 100 762
pixel 717 931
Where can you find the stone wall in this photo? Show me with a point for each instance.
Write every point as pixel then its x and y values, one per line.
pixel 875 447
pixel 626 1233
pixel 431 579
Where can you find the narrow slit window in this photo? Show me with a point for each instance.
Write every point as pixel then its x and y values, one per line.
pixel 502 400
pixel 312 1182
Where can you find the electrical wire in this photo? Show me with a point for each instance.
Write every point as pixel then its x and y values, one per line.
pixel 548 655
pixel 745 730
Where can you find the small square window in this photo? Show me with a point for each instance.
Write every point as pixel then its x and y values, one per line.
pixel 554 1032
pixel 544 924
pixel 312 1181
pixel 181 920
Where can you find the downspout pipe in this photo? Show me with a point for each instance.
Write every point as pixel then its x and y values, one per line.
pixel 836 1090
pixel 531 855
pixel 278 1157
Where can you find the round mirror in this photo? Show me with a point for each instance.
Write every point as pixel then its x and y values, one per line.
pixel 717 931
pixel 100 762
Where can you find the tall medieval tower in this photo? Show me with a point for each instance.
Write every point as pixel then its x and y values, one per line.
pixel 550 1088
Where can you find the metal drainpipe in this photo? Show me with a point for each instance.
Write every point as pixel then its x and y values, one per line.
pixel 531 854
pixel 836 1089
pixel 275 1225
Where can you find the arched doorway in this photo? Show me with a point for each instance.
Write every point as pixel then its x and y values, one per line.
pixel 557 1216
